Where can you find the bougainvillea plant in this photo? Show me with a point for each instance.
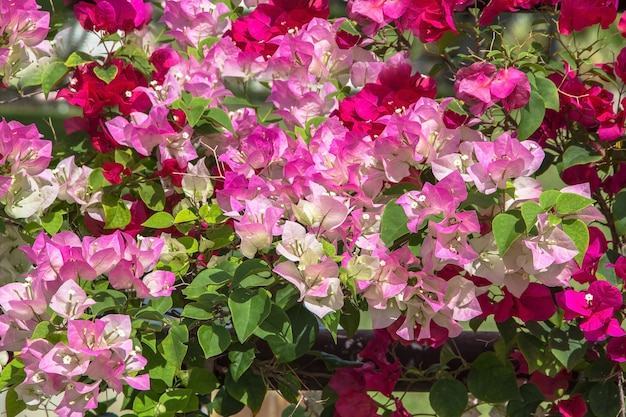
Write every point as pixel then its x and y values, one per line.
pixel 251 172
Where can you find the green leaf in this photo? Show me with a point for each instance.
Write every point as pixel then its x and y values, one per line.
pixel 568 347
pixel 107 74
pixel 198 311
pixel 549 93
pixel 174 350
pixel 393 223
pixel 329 249
pixel 568 203
pixel 577 230
pixel 331 322
pixel 153 195
pixel 214 339
pixel 531 116
pixel 177 400
pixel 97 180
pixel 249 389
pixel 547 199
pixel 530 210
pixel 42 330
pixel 206 281
pixel 145 404
pixel 604 400
pixel 185 216
pixel 506 229
pixel 305 328
pixel 12 404
pixel 532 398
pixel 190 244
pixel 53 73
pixel 52 222
pixel 211 213
pixel 196 108
pixel 350 317
pixel 198 380
pixel 220 236
pixel 276 329
pixel 491 380
pixel 224 404
pixel 248 309
pixel 108 300
pixel 579 155
pixel 78 58
pixel 448 397
pixel 116 213
pixel 533 350
pixel 220 117
pixel 240 361
pixel 289 386
pixel 619 212
pixel 608 272
pixel 12 374
pixel 257 270
pixel 294 410
pixel 160 220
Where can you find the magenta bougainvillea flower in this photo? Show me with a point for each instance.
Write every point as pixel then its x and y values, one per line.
pixel 574 406
pixel 113 15
pixel 579 14
pixel 596 307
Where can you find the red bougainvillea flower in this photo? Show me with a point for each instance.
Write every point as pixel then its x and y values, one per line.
pixel 579 14
pixel 616 349
pixel 551 387
pixel 395 88
pixel 113 15
pixel 620 267
pixel 251 33
pixel 113 172
pixel 495 7
pixel 535 304
pixel 574 406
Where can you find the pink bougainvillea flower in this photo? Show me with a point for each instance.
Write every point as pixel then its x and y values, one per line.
pixel 64 360
pixel 512 87
pixel 579 14
pixel 70 301
pixel 473 86
pixel 78 398
pixel 159 283
pixel 318 283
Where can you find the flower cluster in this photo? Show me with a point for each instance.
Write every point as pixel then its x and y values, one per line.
pixel 23 32
pixel 286 169
pixel 95 351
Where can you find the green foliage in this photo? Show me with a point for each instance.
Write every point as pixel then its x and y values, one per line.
pixel 448 397
pixel 393 223
pixel 492 380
